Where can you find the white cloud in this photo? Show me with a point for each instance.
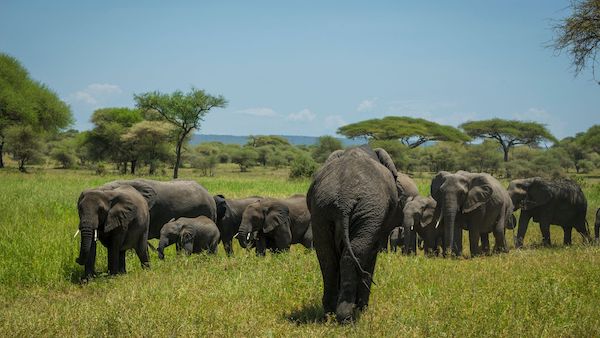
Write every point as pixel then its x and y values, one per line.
pixel 260 112
pixel 95 93
pixel 366 105
pixel 303 115
pixel 334 121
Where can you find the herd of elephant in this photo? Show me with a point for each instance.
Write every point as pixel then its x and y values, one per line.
pixel 356 203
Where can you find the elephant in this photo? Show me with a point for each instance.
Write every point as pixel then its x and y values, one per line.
pixel 352 200
pixel 193 235
pixel 559 202
pixel 396 238
pixel 422 215
pixel 408 188
pixel 476 202
pixel 597 226
pixel 276 224
pixel 167 200
pixel 120 219
pixel 229 218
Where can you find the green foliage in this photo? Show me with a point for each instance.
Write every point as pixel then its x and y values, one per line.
pixel 591 138
pixel 532 162
pixel 509 133
pixel 264 140
pixel 578 33
pixel 410 131
pixel 23 143
pixel 205 157
pixel 149 141
pixel 24 101
pixel 184 111
pixel 484 157
pixel 324 147
pixel 245 157
pixel 303 166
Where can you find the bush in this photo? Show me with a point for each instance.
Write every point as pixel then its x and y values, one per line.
pixel 303 166
pixel 100 169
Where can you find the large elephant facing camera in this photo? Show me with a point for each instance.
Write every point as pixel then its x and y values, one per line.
pixel 476 202
pixel 119 219
pixel 352 200
pixel 559 202
pixel 275 224
pixel 167 200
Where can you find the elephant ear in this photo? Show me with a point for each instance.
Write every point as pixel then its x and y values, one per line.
pixel 436 183
pixel 386 160
pixel 221 206
pixel 480 192
pixel 427 215
pixel 538 194
pixel 122 211
pixel 277 214
pixel 146 191
pixel 185 235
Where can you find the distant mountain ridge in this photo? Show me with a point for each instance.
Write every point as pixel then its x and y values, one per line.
pixel 293 139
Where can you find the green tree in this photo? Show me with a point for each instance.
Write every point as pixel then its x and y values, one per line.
pixel 397 151
pixel 509 133
pixel 24 101
pixel 265 140
pixel 245 157
pixel 412 132
pixel 579 35
pixel 324 147
pixel 484 157
pixel 106 138
pixel 23 143
pixel 148 141
pixel 591 138
pixel 303 166
pixel 185 111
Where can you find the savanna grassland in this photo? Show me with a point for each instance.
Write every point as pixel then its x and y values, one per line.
pixel 531 292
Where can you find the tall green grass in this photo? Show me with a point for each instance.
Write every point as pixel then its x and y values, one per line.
pixel 530 292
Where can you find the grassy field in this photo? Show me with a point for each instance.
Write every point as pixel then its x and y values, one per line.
pixel 530 292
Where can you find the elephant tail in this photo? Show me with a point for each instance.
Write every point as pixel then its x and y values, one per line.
pixel 367 278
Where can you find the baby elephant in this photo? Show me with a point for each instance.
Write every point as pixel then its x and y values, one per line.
pixel 193 235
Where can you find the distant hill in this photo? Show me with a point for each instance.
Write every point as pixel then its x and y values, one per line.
pixel 293 139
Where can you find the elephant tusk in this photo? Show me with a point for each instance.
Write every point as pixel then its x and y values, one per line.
pixel 438 222
pixel 95 235
pixel 248 237
pixel 76 233
pixel 236 235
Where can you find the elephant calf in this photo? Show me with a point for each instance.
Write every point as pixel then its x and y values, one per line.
pixel 422 215
pixel 193 235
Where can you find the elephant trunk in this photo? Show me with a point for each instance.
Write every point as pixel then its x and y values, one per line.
pixel 87 236
pixel 408 243
pixel 164 242
pixel 449 210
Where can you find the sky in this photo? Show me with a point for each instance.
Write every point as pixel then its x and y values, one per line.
pixel 307 67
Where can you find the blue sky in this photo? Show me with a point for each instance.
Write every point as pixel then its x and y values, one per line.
pixel 304 67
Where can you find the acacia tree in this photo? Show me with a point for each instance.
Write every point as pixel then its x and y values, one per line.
pixel 149 141
pixel 24 101
pixel 579 34
pixel 412 132
pixel 185 111
pixel 509 133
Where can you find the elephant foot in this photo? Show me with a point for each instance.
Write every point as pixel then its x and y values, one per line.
pixel 345 313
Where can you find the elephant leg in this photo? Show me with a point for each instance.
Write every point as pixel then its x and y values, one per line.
pixel 485 244
pixel 90 264
pixel 567 234
pixel 349 279
pixel 383 243
pixel 329 261
pixel 413 242
pixel 364 291
pixel 122 256
pixel 141 251
pixel 583 230
pixel 523 224
pixel 227 245
pixel 501 244
pixel 113 258
pixel 474 243
pixel 545 229
pixel 261 246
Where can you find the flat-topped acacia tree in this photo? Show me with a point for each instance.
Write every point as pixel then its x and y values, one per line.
pixel 509 133
pixel 185 111
pixel 412 132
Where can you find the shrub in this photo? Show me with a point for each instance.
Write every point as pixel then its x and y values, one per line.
pixel 303 166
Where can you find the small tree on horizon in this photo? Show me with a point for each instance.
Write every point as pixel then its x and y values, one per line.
pixel 509 133
pixel 185 111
